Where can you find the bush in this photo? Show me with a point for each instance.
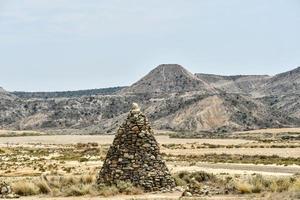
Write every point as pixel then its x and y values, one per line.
pixel 25 188
pixel 178 180
pixel 183 178
pixel 87 179
pixel 128 188
pixel 43 186
pixel 79 190
pixel 283 184
pixel 244 187
pixel 259 184
pixel 108 191
pixel 296 186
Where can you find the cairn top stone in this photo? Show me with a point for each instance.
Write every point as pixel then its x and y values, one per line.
pixel 134 156
pixel 135 108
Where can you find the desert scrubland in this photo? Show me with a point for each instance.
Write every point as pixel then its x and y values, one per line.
pixel 239 166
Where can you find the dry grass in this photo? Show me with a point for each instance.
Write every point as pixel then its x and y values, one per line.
pixel 69 177
pixel 107 191
pixel 107 140
pixel 293 152
pixel 244 187
pixel 228 158
pixel 25 188
pixel 71 186
pixel 296 186
pixel 10 133
pixel 80 190
pixel 258 184
pixel 184 178
pixel 43 186
pixel 272 130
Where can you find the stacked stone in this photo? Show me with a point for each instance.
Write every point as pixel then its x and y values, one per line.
pixel 198 189
pixel 5 189
pixel 134 156
pixel 6 192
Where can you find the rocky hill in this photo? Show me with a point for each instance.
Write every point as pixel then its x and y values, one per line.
pixel 173 98
pixel 68 94
pixel 4 95
pixel 2 90
pixel 282 84
pixel 169 78
pixel 240 84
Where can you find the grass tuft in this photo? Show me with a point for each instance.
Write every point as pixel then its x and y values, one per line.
pixel 244 187
pixel 25 188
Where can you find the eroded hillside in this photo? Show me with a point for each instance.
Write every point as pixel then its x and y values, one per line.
pixel 172 97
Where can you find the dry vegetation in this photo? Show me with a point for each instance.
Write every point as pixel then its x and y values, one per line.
pixel 9 133
pixel 70 186
pixel 82 185
pixel 64 168
pixel 240 184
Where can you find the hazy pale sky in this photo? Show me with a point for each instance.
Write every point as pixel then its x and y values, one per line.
pixel 49 45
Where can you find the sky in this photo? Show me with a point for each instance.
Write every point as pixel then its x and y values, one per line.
pixel 56 45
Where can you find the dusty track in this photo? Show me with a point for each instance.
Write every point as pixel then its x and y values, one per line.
pixel 282 152
pixel 232 168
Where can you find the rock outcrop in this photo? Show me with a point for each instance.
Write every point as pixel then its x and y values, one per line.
pixel 134 156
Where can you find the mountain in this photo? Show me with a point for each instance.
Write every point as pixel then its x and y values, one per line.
pixel 240 84
pixel 257 85
pixel 68 94
pixel 172 97
pixel 169 78
pixel 2 90
pixel 4 95
pixel 283 84
pixel 219 112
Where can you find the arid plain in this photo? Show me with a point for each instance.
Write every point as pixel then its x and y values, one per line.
pixel 254 166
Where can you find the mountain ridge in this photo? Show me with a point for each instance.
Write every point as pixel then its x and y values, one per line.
pixel 283 83
pixel 170 78
pixel 68 94
pixel 172 97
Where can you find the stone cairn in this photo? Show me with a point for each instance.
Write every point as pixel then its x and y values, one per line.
pixel 134 157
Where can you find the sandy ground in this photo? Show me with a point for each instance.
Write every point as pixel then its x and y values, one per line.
pixel 216 168
pixel 106 139
pixel 160 196
pixel 273 130
pixel 234 168
pixel 282 152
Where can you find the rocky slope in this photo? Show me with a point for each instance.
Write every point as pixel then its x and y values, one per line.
pixel 4 95
pixel 68 94
pixel 173 98
pixel 169 78
pixel 240 84
pixel 282 84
